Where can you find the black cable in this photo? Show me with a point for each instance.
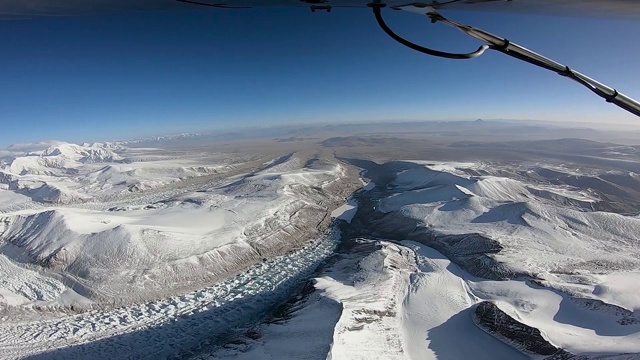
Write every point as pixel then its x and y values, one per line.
pixel 217 5
pixel 376 6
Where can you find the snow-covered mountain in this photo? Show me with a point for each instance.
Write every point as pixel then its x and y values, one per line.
pixel 557 225
pixel 523 269
pixel 65 173
pixel 199 254
pixel 49 175
pixel 204 243
pixel 175 243
pixel 61 158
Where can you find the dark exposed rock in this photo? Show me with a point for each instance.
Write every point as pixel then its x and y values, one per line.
pixel 497 323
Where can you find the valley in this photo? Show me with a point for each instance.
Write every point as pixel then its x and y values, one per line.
pixel 351 246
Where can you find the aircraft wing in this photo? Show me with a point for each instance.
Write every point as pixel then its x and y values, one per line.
pixel 12 9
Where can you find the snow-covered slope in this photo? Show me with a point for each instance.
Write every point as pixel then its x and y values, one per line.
pixel 173 244
pixel 48 175
pixel 63 157
pixel 175 326
pixel 65 173
pixel 559 277
pixel 552 238
pixel 540 251
pixel 486 260
pixel 405 300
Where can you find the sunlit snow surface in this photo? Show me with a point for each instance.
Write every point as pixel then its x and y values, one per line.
pixel 568 247
pixel 584 254
pixel 123 237
pixel 347 211
pixel 409 301
pixel 75 231
pixel 170 326
pixel 165 224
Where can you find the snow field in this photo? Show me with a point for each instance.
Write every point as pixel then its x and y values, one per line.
pixel 564 246
pixel 144 251
pixel 120 333
pixel 408 301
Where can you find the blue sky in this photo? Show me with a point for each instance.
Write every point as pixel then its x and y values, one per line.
pixel 131 75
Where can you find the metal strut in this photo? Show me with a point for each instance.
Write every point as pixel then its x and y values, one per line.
pixel 506 47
